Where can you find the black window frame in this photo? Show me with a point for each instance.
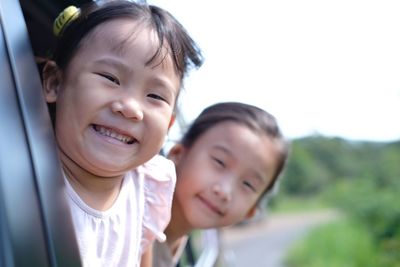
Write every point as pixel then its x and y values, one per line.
pixel 35 224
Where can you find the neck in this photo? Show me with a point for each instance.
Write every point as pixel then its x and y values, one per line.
pixel 96 191
pixel 177 228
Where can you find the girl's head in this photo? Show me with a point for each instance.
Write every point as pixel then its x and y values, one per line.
pixel 172 38
pixel 230 157
pixel 115 78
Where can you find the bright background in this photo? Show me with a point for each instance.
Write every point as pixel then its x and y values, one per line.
pixel 321 67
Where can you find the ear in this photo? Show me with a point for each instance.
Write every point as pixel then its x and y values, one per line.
pixel 172 120
pixel 252 212
pixel 176 152
pixel 51 81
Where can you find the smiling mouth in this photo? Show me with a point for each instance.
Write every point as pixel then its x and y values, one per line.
pixel 114 134
pixel 211 207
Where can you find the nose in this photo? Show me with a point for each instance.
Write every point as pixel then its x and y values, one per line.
pixel 129 108
pixel 223 189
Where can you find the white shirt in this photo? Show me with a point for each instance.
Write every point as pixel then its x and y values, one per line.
pixel 142 210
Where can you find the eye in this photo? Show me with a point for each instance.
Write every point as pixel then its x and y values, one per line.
pixel 157 97
pixel 218 161
pixel 249 185
pixel 110 77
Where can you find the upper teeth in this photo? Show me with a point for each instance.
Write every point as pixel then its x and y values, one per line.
pixel 110 133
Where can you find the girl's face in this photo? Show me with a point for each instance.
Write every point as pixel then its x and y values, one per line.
pixel 113 110
pixel 221 177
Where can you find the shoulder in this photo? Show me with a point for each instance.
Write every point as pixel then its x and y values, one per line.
pixel 159 178
pixel 159 169
pixel 159 185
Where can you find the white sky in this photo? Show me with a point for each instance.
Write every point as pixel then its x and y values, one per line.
pixel 327 67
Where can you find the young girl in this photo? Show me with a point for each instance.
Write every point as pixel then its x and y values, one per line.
pixel 114 79
pixel 226 163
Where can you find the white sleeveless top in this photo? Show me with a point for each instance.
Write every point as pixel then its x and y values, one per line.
pixel 118 236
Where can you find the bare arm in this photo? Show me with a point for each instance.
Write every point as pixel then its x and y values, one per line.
pixel 147 257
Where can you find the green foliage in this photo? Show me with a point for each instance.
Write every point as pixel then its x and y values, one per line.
pixel 302 175
pixel 317 162
pixel 363 180
pixel 341 243
pixel 377 208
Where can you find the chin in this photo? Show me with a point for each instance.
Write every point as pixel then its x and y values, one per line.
pixel 108 170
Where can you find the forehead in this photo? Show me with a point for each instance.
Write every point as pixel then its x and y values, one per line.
pixel 118 34
pixel 129 39
pixel 231 131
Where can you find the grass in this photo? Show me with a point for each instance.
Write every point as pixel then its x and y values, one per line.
pixel 338 244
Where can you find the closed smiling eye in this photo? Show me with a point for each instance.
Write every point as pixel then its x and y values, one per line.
pixel 110 77
pixel 157 97
pixel 219 162
pixel 249 185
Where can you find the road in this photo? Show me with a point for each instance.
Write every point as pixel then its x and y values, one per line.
pixel 265 243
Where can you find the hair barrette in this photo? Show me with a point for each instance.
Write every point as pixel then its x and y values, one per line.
pixel 64 18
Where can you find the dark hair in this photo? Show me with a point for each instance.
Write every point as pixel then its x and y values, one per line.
pixel 183 50
pixel 253 117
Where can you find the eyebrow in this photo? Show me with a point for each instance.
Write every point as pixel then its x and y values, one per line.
pixel 167 84
pixel 113 63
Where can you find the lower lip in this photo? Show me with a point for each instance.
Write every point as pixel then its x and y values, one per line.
pixel 210 207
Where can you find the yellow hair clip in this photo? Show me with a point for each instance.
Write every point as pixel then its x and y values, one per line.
pixel 66 16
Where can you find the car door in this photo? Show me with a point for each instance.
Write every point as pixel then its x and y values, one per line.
pixel 35 227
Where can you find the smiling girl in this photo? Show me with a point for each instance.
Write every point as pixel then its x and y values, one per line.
pixel 226 164
pixel 114 79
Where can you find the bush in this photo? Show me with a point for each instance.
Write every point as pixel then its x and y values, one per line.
pixel 377 209
pixel 342 243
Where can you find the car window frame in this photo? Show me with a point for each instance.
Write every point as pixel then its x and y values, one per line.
pixel 35 224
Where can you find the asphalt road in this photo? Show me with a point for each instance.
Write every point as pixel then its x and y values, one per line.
pixel 265 243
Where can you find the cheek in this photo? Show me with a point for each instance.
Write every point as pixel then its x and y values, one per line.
pixel 192 170
pixel 159 120
pixel 184 190
pixel 243 207
pixel 189 179
pixel 65 139
pixel 67 103
pixel 61 119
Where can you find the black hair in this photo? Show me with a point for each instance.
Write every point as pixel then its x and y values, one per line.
pixel 251 116
pixel 184 51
